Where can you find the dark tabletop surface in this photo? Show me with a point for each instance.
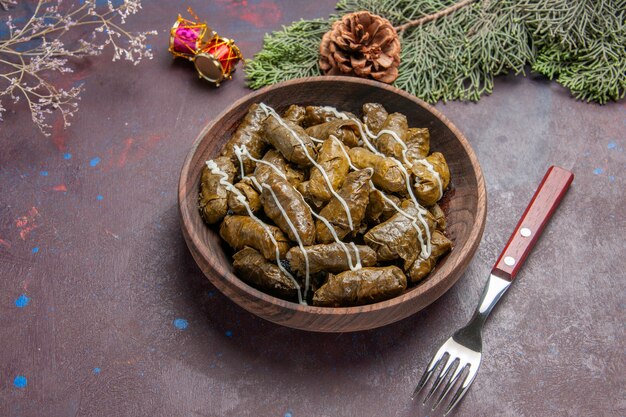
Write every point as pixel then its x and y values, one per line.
pixel 104 312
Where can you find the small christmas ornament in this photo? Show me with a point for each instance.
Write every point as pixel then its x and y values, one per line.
pixel 216 60
pixel 361 44
pixel 187 37
pixel 214 57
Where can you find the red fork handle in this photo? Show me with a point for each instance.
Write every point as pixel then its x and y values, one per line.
pixel 543 204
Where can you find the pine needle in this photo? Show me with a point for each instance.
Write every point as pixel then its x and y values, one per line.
pixel 578 43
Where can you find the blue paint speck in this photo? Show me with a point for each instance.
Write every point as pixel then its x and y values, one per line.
pixel 20 381
pixel 96 371
pixel 288 414
pixel 598 171
pixel 35 249
pixel 22 301
pixel 99 197
pixel 95 161
pixel 611 178
pixel 67 155
pixel 612 145
pixel 43 173
pixel 229 333
pixel 181 324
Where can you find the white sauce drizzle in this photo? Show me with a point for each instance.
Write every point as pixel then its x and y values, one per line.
pixel 352 266
pixel 425 244
pixel 365 133
pixel 393 134
pixel 431 169
pixel 242 151
pixel 298 238
pixel 269 111
pixel 230 187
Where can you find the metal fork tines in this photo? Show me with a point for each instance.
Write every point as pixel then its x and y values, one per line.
pixel 459 357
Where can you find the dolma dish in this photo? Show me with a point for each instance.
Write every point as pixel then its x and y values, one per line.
pixel 324 208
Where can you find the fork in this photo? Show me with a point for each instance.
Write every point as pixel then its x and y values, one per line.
pixel 464 348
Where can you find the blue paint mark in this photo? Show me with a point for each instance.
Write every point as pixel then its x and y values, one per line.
pixel 99 197
pixel 43 173
pixel 96 371
pixel 181 324
pixel 598 171
pixel 229 333
pixel 67 155
pixel 148 46
pixel 288 414
pixel 35 249
pixel 22 301
pixel 611 178
pixel 95 161
pixel 612 145
pixel 20 381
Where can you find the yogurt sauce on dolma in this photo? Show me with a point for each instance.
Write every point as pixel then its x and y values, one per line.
pixel 364 130
pixel 298 239
pixel 242 151
pixel 270 111
pixel 399 210
pixel 230 187
pixel 365 133
pixel 425 245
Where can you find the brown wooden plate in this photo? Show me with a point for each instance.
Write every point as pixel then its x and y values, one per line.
pixel 465 203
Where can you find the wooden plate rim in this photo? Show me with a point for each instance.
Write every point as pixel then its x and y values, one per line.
pixel 198 247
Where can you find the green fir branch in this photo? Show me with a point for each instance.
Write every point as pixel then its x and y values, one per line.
pixel 287 54
pixel 579 43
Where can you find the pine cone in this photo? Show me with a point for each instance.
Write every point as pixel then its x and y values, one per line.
pixel 361 44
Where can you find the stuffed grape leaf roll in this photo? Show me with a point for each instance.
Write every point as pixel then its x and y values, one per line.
pixel 286 207
pixel 392 144
pixel 248 134
pixel 355 193
pixel 329 257
pixel 295 114
pixel 250 195
pixel 213 197
pixel 388 173
pixel 421 267
pixel 257 271
pixel 374 116
pixel 399 237
pixel 347 131
pixel 439 215
pixel 290 139
pixel 242 231
pixel 432 177
pixel 364 286
pixel 316 115
pixel 417 143
pixel 379 208
pixel 274 161
pixel 333 160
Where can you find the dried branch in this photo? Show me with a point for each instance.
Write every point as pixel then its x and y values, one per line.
pixel 46 42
